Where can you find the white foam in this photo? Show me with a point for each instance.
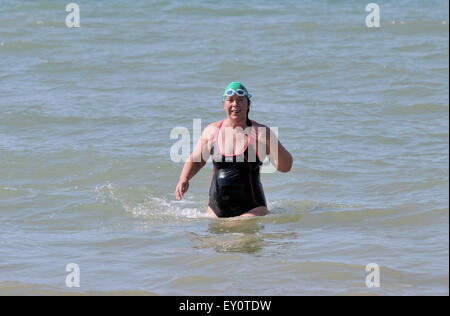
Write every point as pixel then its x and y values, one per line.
pixel 151 207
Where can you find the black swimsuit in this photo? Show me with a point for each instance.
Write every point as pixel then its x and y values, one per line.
pixel 235 185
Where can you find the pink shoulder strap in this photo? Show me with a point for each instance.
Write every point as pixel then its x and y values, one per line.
pixel 251 140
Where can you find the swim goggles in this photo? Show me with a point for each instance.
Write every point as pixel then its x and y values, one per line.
pixel 238 92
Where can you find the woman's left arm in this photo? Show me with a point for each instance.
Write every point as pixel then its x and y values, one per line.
pixel 278 155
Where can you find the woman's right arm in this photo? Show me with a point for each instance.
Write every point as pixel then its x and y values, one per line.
pixel 196 161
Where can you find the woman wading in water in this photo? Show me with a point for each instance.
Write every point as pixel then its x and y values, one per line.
pixel 238 147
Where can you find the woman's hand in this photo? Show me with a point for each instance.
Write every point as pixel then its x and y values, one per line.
pixel 196 160
pixel 181 189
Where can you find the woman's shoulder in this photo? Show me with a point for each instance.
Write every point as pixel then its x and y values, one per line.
pixel 214 124
pixel 262 131
pixel 210 129
pixel 257 124
pixel 260 127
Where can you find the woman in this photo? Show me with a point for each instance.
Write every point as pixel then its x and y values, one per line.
pixel 238 146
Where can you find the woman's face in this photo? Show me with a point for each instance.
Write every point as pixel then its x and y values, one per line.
pixel 236 107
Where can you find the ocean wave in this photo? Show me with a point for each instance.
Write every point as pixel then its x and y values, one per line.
pixel 16 288
pixel 37 115
pixel 402 215
pixel 417 108
pixel 309 213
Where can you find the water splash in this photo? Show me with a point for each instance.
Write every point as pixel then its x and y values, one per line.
pixel 152 207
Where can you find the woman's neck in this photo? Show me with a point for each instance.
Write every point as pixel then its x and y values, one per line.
pixel 236 123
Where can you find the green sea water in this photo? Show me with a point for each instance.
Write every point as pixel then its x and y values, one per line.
pixel 86 175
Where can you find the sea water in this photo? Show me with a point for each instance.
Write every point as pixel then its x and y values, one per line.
pixel 86 175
